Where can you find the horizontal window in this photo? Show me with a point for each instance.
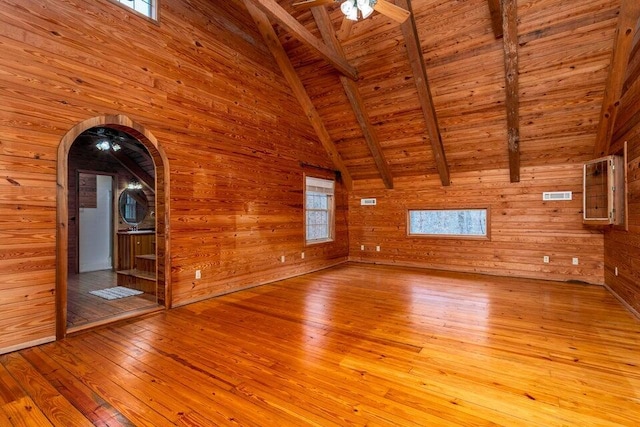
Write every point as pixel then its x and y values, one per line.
pixel 449 222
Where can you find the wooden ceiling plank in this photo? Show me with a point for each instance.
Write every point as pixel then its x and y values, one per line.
pixel 627 22
pixel 414 51
pixel 512 103
pixel 323 21
pixel 145 179
pixel 496 17
pixel 289 72
pixel 298 30
pixel 306 4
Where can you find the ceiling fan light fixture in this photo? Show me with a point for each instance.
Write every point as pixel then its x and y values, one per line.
pixel 106 145
pixel 103 145
pixel 365 8
pixel 349 10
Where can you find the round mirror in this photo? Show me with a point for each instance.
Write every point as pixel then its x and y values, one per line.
pixel 133 206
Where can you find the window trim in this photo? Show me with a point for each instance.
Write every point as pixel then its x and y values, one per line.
pixel 155 19
pixel 331 210
pixel 486 237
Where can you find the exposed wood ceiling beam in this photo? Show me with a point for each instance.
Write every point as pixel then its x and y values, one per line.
pixel 345 29
pixel 414 50
pixel 325 26
pixel 496 17
pixel 289 72
pixel 629 17
pixel 510 43
pixel 398 14
pixel 145 179
pixel 298 30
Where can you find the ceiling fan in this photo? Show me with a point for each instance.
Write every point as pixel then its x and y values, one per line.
pixel 352 8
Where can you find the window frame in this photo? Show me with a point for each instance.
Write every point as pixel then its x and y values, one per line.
pixel 155 6
pixel 331 209
pixel 486 237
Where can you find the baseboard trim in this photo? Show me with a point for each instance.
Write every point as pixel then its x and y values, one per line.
pixel 464 271
pixel 623 302
pixel 110 320
pixel 28 344
pixel 266 282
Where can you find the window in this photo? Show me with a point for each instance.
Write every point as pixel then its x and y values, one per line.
pixel 145 7
pixel 449 222
pixel 319 209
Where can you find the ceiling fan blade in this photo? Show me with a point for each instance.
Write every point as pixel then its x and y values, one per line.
pixel 305 4
pixel 345 29
pixel 394 12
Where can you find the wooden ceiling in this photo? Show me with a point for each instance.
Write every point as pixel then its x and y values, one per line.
pixel 563 55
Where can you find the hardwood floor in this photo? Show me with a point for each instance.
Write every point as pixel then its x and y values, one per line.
pixel 352 345
pixel 84 308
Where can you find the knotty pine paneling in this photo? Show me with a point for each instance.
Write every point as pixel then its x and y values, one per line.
pixel 622 248
pixel 524 228
pixel 203 83
pixel 564 54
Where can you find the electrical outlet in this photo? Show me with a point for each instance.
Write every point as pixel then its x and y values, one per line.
pixel 378 248
pixel 545 259
pixel 282 258
pixel 362 247
pixel 574 261
pixel 198 274
pixel 302 255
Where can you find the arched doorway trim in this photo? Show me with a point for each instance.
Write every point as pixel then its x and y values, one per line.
pixel 125 124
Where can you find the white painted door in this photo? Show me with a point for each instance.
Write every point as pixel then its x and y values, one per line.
pixel 95 240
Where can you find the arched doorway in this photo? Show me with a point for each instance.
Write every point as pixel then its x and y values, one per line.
pixel 145 137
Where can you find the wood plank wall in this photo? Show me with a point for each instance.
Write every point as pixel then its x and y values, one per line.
pixel 622 248
pixel 524 228
pixel 205 86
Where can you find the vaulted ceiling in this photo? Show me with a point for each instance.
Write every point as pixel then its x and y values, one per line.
pixel 564 51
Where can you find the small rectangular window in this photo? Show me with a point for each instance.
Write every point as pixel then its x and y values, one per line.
pixel 147 8
pixel 319 210
pixel 449 222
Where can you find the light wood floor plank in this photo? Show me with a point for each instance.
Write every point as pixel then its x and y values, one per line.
pixel 352 345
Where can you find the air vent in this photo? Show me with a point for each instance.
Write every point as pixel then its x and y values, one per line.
pixel 556 195
pixel 368 202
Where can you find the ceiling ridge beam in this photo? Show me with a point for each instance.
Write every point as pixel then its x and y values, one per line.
pixel 627 22
pixel 298 30
pixel 414 51
pixel 323 21
pixel 289 72
pixel 512 103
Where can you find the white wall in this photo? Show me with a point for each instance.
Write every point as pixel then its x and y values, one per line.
pixel 95 229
